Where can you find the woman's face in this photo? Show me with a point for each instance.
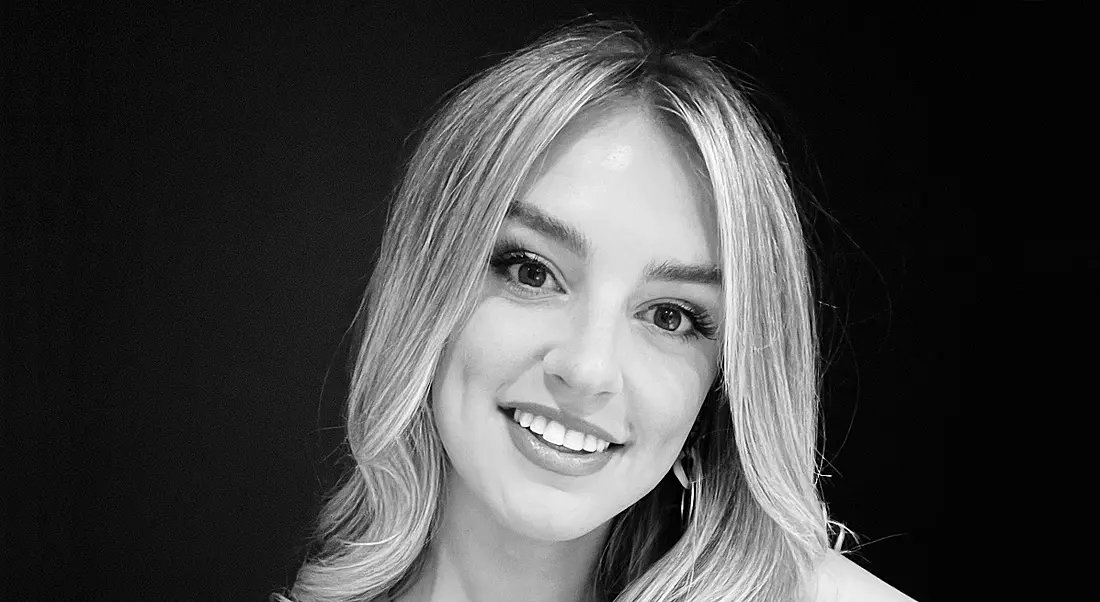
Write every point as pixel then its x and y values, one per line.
pixel 597 322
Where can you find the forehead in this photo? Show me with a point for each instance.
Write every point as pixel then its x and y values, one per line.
pixel 623 177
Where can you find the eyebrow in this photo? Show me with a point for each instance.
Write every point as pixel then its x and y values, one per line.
pixel 550 226
pixel 665 271
pixel 674 271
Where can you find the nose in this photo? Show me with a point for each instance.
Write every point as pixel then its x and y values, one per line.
pixel 583 365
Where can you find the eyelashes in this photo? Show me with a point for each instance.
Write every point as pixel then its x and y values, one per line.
pixel 531 273
pixel 529 276
pixel 701 321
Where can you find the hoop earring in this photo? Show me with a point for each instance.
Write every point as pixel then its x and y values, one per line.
pixel 687 497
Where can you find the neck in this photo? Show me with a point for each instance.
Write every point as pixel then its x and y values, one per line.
pixel 475 558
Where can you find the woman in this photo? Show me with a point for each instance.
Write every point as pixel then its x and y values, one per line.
pixel 587 367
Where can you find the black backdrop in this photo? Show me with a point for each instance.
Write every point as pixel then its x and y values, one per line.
pixel 192 198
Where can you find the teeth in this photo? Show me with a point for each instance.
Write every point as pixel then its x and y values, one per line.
pixel 557 434
pixel 591 443
pixel 574 440
pixel 538 425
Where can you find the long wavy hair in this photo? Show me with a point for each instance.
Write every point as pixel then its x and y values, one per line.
pixel 759 525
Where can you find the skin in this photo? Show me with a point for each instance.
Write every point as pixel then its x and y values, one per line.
pixel 841 580
pixel 586 340
pixel 593 339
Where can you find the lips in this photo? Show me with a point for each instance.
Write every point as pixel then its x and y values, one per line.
pixel 548 457
pixel 556 434
pixel 568 421
pixel 554 458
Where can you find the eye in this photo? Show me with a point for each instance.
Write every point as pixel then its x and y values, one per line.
pixel 529 273
pixel 524 272
pixel 683 321
pixel 667 317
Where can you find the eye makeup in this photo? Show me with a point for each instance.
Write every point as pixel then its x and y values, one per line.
pixel 509 261
pixel 525 273
pixel 702 324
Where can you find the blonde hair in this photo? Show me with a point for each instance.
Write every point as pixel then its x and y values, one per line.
pixel 759 526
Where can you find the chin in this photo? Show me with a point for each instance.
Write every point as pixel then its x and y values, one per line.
pixel 547 517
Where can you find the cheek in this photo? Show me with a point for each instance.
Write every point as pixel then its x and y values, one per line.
pixel 491 351
pixel 476 365
pixel 670 391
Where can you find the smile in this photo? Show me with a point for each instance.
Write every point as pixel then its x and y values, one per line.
pixel 572 459
pixel 555 433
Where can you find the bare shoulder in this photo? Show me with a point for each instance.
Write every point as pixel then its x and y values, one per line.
pixel 841 580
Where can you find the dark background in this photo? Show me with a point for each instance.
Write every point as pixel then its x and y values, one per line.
pixel 192 199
